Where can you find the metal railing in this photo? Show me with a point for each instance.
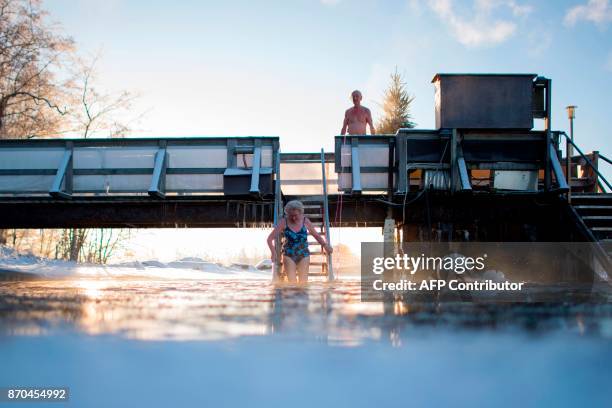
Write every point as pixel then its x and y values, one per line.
pixel 568 159
pixel 368 160
pixel 67 168
pixel 445 159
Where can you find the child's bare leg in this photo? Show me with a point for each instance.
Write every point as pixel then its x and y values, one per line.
pixel 302 269
pixel 289 267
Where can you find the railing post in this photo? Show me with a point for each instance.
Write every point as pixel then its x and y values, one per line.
pixel 557 170
pixel 391 170
pixel 231 153
pixel 355 166
pixel 547 162
pixel 402 166
pixel 595 163
pixel 256 166
pixel 64 175
pixel 454 168
pixel 158 180
pixel 464 178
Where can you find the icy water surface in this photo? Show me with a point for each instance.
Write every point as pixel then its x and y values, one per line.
pixel 215 309
pixel 231 342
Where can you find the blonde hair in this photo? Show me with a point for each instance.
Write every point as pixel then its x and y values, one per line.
pixel 294 205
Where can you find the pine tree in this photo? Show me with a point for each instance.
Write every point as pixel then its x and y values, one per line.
pixel 396 107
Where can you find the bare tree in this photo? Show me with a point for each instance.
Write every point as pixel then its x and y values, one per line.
pixel 102 243
pixel 31 53
pixel 45 90
pixel 95 112
pixel 396 106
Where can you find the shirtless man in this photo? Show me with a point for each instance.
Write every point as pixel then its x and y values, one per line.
pixel 357 117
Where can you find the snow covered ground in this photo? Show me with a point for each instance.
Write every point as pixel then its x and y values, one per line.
pixel 185 268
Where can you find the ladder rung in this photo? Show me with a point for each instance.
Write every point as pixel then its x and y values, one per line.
pixel 315 199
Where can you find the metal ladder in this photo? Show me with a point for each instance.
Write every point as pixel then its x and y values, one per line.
pixel 316 208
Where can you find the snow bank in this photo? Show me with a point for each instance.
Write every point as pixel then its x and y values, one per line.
pixel 187 268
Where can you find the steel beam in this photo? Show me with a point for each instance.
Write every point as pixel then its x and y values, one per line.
pixel 61 176
pixel 256 167
pixel 158 181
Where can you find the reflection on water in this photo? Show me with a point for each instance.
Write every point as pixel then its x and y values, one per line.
pixel 218 309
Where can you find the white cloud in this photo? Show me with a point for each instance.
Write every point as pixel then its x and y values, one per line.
pixel 481 28
pixel 520 10
pixel 329 2
pixel 595 11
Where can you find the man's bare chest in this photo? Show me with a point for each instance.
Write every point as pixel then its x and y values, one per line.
pixel 357 115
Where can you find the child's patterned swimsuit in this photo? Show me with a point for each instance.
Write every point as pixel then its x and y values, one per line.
pixel 295 244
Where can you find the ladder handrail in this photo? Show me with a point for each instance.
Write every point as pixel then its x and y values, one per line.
pixel 330 270
pixel 278 208
pixel 601 156
pixel 589 162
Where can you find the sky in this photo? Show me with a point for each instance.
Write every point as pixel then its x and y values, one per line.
pixel 286 68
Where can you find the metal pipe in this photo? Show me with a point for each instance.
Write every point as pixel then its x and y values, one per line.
pixel 601 156
pixel 568 168
pixel 277 212
pixel 330 270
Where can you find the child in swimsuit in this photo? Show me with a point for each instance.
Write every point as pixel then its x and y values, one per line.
pixel 295 228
